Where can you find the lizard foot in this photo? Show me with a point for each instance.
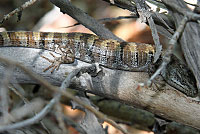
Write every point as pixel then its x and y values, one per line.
pixel 55 63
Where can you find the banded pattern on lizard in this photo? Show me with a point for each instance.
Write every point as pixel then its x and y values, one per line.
pixel 107 52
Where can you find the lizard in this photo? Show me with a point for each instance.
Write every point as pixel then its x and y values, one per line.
pixel 128 56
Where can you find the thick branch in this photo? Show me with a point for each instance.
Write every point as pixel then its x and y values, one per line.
pixel 115 84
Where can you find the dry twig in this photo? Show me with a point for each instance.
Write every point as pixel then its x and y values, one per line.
pixel 145 15
pixel 17 10
pixel 167 56
pixel 191 15
pixel 103 20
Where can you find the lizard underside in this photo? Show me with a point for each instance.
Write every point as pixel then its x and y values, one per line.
pixel 107 52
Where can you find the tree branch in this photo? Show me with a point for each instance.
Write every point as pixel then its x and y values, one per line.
pixel 182 109
pixel 89 22
pixel 60 91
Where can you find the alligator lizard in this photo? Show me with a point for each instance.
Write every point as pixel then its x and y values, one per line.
pixel 107 52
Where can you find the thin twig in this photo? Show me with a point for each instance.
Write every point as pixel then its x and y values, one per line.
pixel 108 20
pixel 25 100
pixel 17 10
pixel 155 38
pixel 167 56
pixel 196 5
pixel 145 15
pixel 191 15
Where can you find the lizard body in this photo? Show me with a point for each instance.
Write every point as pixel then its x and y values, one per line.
pixel 107 52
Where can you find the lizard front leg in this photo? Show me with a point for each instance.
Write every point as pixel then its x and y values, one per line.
pixel 66 57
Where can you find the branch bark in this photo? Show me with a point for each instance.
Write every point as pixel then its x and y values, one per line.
pixel 115 84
